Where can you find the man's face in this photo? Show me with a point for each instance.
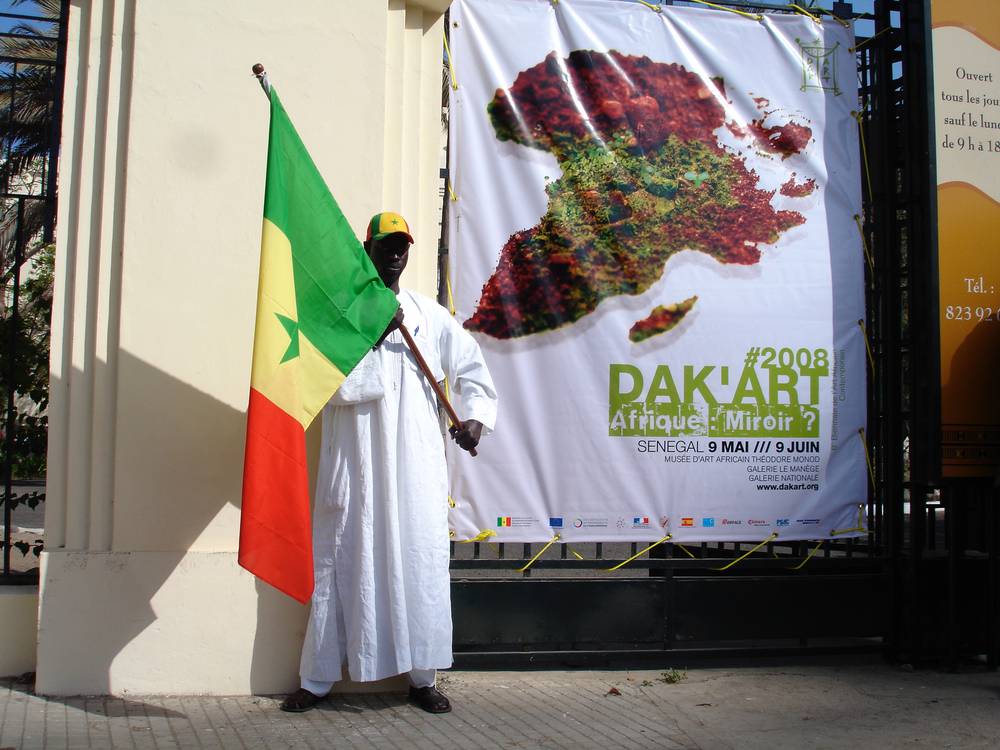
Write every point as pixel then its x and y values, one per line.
pixel 389 255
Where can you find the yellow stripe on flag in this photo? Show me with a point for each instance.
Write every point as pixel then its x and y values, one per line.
pixel 303 383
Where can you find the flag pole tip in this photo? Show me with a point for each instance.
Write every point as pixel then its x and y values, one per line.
pixel 261 75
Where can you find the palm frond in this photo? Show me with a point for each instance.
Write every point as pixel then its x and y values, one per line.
pixel 49 8
pixel 28 48
pixel 27 96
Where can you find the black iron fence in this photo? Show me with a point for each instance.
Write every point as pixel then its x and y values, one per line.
pixel 32 63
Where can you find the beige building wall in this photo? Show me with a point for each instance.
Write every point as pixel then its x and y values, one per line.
pixel 161 191
pixel 18 613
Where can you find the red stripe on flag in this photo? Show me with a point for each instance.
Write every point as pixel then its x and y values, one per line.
pixel 275 528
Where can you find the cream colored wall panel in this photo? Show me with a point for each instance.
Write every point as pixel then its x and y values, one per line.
pixel 142 623
pixel 18 613
pixel 162 622
pixel 81 256
pixel 197 148
pixel 161 191
pixel 427 180
pixel 434 6
pixel 395 114
pixel 114 97
pixel 61 339
pixel 413 125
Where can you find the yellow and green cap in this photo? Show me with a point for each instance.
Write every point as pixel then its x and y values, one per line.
pixel 386 223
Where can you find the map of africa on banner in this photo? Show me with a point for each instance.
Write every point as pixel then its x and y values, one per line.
pixel 654 242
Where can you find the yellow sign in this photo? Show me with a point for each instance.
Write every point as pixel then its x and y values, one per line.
pixel 966 43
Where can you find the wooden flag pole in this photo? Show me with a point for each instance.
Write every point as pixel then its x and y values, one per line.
pixel 261 75
pixel 430 379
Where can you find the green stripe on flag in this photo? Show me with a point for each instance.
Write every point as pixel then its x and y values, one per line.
pixel 343 306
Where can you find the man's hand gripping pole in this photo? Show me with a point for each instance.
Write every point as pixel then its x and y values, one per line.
pixel 456 422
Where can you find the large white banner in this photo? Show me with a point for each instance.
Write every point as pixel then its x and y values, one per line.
pixel 654 240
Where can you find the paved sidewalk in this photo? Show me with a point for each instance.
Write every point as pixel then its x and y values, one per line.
pixel 846 703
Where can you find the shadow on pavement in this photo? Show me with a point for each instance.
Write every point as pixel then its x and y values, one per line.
pixel 92 705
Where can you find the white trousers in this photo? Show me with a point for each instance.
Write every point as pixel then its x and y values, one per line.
pixel 418 678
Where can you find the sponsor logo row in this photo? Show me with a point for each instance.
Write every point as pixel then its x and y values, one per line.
pixel 708 522
pixel 645 522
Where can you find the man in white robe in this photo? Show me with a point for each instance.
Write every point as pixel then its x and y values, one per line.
pixel 381 603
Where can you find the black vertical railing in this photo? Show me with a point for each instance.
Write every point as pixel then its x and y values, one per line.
pixel 941 535
pixel 10 362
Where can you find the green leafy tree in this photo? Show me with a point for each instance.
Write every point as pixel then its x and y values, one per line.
pixel 28 97
pixel 30 376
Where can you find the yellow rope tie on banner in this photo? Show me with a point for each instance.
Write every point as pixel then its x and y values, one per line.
pixel 482 536
pixel 652 7
pixel 451 68
pixel 451 192
pixel 809 556
pixel 804 12
pixel 686 551
pixel 541 552
pixel 451 533
pixel 640 553
pixel 573 552
pixel 864 152
pixel 770 538
pixel 864 243
pixel 754 16
pixel 868 346
pixel 868 460
pixel 451 502
pixel 856 47
pixel 859 527
pixel 451 297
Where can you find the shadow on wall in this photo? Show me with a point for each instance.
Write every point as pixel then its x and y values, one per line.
pixel 281 621
pixel 179 459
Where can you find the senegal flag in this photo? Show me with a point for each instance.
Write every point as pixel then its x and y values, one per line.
pixel 320 308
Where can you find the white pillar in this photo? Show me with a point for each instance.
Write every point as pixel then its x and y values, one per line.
pixel 160 197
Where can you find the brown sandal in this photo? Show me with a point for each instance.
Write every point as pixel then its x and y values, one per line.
pixel 300 701
pixel 430 699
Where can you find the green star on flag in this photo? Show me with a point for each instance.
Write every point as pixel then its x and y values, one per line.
pixel 292 329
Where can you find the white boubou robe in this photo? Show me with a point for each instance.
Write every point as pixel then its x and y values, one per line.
pixel 382 600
